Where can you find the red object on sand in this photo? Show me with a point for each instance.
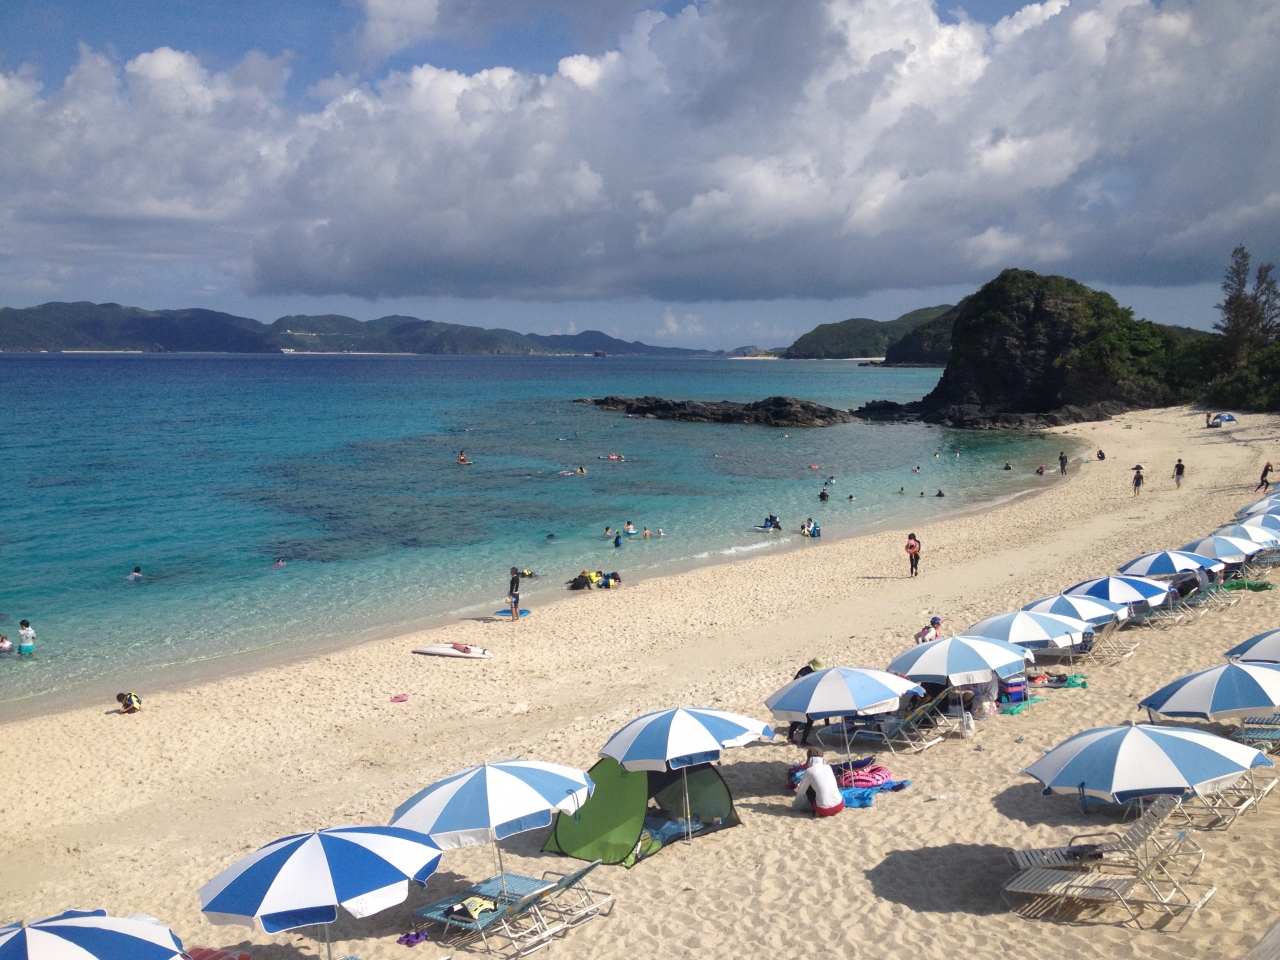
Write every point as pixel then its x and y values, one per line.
pixel 400 698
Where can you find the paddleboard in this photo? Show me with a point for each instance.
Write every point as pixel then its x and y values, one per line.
pixel 766 529
pixel 507 613
pixel 455 650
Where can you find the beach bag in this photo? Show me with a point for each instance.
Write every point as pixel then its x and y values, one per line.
pixel 967 726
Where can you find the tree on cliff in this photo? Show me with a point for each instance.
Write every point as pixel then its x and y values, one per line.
pixel 1250 319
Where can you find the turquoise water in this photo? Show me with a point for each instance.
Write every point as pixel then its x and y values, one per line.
pixel 203 469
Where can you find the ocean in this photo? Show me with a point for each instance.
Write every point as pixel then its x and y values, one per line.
pixel 203 470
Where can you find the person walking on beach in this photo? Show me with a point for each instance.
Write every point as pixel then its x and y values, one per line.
pixel 1179 469
pixel 514 594
pixel 1264 484
pixel 913 554
pixel 1137 480
pixel 1062 462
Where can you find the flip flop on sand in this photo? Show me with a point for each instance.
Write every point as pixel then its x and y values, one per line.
pixel 400 698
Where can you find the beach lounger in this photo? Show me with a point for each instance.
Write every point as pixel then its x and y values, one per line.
pixel 1219 810
pixel 1052 890
pixel 1268 948
pixel 1261 733
pixel 513 920
pixel 1113 644
pixel 572 901
pixel 918 730
pixel 1141 841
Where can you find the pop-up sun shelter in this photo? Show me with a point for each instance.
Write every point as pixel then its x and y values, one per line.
pixel 633 814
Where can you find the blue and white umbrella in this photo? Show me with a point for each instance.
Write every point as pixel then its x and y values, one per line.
pixel 1036 631
pixel 840 692
pixel 1266 521
pixel 961 659
pixel 1092 610
pixel 1254 534
pixel 492 801
pixel 681 737
pixel 1263 648
pixel 301 880
pixel 1230 690
pixel 1223 548
pixel 1138 760
pixel 89 935
pixel 1165 563
pixel 1265 505
pixel 1127 590
pixel 1225 418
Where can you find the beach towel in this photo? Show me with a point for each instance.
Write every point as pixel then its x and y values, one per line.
pixel 862 796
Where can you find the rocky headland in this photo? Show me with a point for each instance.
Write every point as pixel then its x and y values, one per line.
pixel 769 412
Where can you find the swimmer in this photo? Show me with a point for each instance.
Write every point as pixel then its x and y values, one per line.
pixel 628 527
pixel 551 536
pixel 822 495
pixel 280 562
pixel 900 490
pixel 581 471
pixel 462 459
pixel 646 534
pixel 1008 465
pixel 660 533
pixel 939 494
pixel 851 497
pixel 608 532
pixel 935 456
pixel 136 575
pixel 1040 470
pixel 915 469
pixel 922 493
pixel 6 646
pixel 617 540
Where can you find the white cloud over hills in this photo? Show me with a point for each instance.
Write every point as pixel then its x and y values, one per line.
pixel 730 151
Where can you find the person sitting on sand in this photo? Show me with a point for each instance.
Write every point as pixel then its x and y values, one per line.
pixel 129 702
pixel 813 666
pixel 1101 455
pixel 931 631
pixel 581 582
pixel 817 789
pixel 26 639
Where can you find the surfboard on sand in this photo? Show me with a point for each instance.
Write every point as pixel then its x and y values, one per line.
pixel 507 613
pixel 465 651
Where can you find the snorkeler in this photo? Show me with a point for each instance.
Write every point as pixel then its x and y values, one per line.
pixel 280 562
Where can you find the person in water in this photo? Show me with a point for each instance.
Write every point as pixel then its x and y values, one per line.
pixel 901 490
pixel 608 532
pixel 462 458
pixel 280 562
pixel 628 527
pixel 660 533
pixel 136 575
pixel 617 540
pixel 913 554
pixel 939 494
pixel 26 639
pixel 822 495
pixel 129 702
pixel 582 471
pixel 645 534
pixel 915 469
pixel 551 536
pixel 1008 465
pixel 5 645
pixel 1040 470
pixel 514 593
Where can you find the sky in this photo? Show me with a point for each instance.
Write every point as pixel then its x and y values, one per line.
pixel 699 174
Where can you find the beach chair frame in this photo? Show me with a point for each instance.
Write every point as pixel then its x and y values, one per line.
pixel 908 733
pixel 1049 890
pixel 1261 733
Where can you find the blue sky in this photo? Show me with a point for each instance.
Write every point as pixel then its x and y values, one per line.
pixel 718 174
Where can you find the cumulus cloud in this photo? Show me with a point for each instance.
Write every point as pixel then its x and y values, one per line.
pixel 730 151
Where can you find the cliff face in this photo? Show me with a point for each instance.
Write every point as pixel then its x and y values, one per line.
pixel 927 345
pixel 1032 350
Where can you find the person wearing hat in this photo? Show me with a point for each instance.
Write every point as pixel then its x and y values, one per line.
pixel 930 632
pixel 813 666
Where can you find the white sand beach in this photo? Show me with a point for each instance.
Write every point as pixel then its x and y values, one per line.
pixel 134 813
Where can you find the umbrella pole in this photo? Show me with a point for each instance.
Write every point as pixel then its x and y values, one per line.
pixel 327 945
pixel 688 816
pixel 502 871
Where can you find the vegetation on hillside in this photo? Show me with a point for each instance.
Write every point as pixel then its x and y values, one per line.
pixel 1245 360
pixel 859 336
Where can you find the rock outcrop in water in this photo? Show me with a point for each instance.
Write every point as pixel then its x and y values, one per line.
pixel 769 412
pixel 1032 351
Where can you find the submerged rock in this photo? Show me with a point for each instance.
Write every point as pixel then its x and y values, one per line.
pixel 769 412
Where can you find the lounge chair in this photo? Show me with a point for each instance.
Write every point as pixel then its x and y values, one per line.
pixel 1144 839
pixel 514 920
pixel 572 901
pixel 1112 644
pixel 917 730
pixel 1051 889
pixel 1268 948
pixel 1262 733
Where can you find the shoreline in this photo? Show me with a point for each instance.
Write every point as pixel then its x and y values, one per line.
pixel 167 798
pixel 173 677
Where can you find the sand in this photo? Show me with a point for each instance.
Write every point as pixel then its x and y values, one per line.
pixel 134 813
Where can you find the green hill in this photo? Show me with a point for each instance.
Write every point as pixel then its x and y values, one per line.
pixel 859 336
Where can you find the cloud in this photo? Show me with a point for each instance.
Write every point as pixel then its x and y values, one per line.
pixel 729 151
pixel 685 327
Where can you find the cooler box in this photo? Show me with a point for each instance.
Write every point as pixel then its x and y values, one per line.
pixel 1013 690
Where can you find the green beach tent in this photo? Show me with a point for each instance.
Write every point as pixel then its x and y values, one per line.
pixel 611 824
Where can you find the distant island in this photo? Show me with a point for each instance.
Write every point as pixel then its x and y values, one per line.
pixel 85 326
pixel 860 337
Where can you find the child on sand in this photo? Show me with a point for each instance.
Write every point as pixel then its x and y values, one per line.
pixel 129 702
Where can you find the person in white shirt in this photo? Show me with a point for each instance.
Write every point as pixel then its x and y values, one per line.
pixel 817 790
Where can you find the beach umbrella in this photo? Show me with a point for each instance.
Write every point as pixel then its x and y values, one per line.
pixel 840 692
pixel 86 934
pixel 1254 534
pixel 1092 610
pixel 1127 590
pixel 1264 648
pixel 1116 764
pixel 1265 505
pixel 961 659
pixel 1223 548
pixel 1166 562
pixel 493 801
pixel 1225 418
pixel 680 738
pixel 1266 521
pixel 1037 631
pixel 301 880
pixel 1230 690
